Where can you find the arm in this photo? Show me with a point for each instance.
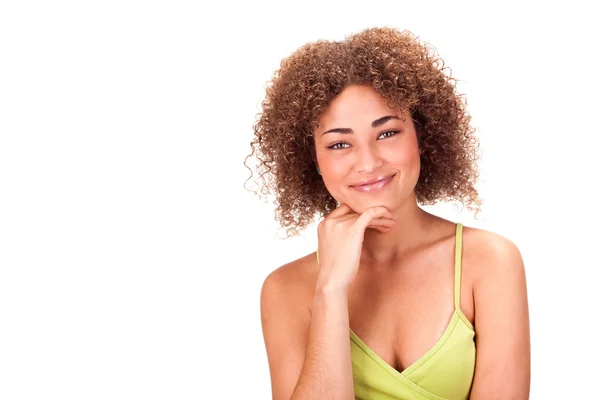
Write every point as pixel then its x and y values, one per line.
pixel 308 352
pixel 502 369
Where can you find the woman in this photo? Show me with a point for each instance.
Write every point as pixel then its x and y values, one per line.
pixel 396 303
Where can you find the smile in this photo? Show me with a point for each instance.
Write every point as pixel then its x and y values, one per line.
pixel 374 185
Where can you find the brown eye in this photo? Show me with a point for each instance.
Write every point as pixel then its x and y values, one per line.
pixel 391 133
pixel 336 146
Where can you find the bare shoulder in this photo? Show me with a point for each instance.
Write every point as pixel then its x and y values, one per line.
pixel 501 316
pixel 285 316
pixel 490 255
pixel 289 289
pixel 291 280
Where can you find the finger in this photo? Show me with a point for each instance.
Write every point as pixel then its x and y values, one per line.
pixel 382 222
pixel 369 215
pixel 344 218
pixel 355 216
pixel 343 209
pixel 382 229
pixel 380 211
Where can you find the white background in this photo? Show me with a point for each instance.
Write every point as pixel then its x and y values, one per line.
pixel 132 257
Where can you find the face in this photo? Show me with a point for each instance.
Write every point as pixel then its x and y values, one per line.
pixel 360 139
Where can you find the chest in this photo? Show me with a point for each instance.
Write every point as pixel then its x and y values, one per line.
pixel 401 313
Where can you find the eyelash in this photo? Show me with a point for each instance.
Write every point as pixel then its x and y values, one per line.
pixel 332 147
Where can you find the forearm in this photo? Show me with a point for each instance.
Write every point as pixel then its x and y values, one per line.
pixel 327 369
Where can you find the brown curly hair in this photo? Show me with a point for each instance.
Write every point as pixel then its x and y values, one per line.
pixel 407 74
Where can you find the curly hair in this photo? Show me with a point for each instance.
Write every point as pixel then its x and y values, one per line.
pixel 406 73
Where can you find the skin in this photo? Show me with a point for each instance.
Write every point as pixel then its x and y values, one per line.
pixel 401 299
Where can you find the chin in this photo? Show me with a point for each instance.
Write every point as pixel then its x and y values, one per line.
pixel 361 206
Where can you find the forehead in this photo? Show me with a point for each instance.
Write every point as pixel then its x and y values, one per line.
pixel 356 105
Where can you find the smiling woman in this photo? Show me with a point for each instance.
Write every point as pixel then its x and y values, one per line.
pixel 382 151
pixel 396 303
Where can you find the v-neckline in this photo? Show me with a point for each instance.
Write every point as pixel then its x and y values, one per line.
pixel 420 361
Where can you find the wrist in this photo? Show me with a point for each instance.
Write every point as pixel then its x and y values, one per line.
pixel 325 287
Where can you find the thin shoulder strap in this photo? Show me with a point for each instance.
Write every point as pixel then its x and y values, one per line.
pixel 457 265
pixel 318 256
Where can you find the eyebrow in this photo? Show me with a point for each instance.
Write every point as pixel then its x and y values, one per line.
pixel 374 124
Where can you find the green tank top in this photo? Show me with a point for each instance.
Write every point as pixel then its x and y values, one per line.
pixel 445 372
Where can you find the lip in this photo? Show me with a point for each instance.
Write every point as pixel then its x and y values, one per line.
pixel 374 184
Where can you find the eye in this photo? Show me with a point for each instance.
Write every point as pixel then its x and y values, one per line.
pixel 388 134
pixel 336 146
pixel 344 145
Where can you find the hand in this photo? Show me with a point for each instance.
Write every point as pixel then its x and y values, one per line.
pixel 341 236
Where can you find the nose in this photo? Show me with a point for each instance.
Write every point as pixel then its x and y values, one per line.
pixel 367 160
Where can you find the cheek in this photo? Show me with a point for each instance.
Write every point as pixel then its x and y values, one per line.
pixel 412 166
pixel 404 156
pixel 335 176
pixel 335 166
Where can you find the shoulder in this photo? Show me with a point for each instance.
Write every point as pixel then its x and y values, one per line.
pixel 290 285
pixel 488 250
pixel 294 274
pixel 501 315
pixel 285 319
pixel 490 254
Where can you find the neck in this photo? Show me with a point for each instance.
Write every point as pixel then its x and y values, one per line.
pixel 410 230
